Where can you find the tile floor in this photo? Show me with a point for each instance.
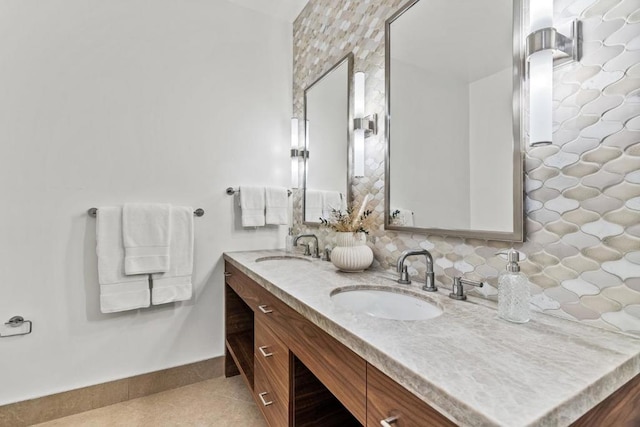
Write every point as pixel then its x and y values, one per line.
pixel 217 402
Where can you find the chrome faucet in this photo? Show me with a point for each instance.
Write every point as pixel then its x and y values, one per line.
pixel 430 280
pixel 316 252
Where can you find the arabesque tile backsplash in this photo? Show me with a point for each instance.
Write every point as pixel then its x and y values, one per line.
pixel 582 201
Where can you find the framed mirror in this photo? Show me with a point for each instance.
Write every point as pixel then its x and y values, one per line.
pixel 453 99
pixel 328 118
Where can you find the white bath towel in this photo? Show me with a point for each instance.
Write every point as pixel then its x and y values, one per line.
pixel 118 292
pixel 277 204
pixel 252 205
pixel 313 201
pixel 175 284
pixel 146 231
pixel 332 201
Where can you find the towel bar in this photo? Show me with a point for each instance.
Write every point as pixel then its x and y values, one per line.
pixel 94 211
pixel 231 191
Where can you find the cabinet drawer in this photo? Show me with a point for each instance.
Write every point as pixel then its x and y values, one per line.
pixel 273 355
pixel 272 401
pixel 387 399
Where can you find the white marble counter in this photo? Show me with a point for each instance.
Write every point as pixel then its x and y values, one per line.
pixel 470 365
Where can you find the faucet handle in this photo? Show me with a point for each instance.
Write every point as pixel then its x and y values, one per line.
pixel 458 291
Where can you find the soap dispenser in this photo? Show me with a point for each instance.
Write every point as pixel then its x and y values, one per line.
pixel 289 241
pixel 513 291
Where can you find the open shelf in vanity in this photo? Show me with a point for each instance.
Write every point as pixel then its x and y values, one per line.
pixel 239 337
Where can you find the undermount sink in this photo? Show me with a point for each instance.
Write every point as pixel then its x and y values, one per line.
pixel 385 304
pixel 281 258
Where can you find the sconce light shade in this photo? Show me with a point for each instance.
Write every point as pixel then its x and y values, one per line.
pixel 295 171
pixel 540 78
pixel 358 133
pixel 358 94
pixel 545 48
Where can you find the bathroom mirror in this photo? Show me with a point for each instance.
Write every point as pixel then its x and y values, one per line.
pixel 327 117
pixel 453 95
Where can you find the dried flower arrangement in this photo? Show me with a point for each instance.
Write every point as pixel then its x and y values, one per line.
pixel 356 219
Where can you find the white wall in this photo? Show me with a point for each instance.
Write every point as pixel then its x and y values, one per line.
pixel 104 102
pixel 491 152
pixel 429 147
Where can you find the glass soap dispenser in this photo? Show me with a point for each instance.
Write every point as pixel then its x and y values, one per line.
pixel 513 291
pixel 289 241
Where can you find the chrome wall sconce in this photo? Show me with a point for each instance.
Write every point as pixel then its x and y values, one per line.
pixel 295 152
pixel 363 126
pixel 545 49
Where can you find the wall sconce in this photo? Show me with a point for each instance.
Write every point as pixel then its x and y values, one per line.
pixel 363 127
pixel 546 48
pixel 295 153
pixel 298 152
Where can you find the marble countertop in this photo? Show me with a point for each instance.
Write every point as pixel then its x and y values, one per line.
pixel 473 367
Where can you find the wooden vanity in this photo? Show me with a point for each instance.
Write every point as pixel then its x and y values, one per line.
pixel 300 375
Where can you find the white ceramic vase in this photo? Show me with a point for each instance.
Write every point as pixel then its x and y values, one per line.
pixel 351 253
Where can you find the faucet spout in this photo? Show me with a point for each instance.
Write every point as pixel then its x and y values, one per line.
pixel 317 249
pixel 430 282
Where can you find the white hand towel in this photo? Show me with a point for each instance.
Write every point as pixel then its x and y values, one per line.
pixel 146 231
pixel 313 200
pixel 118 292
pixel 175 284
pixel 277 203
pixel 332 201
pixel 252 205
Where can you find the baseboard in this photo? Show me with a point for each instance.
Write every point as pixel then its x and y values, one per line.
pixel 60 405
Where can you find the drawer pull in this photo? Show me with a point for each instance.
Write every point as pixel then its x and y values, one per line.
pixel 264 402
pixel 264 353
pixel 263 308
pixel 227 274
pixel 387 422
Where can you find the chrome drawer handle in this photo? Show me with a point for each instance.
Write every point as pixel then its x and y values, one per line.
pixel 263 308
pixel 227 274
pixel 264 402
pixel 387 422
pixel 264 353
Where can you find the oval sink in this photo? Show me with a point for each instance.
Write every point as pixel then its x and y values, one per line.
pixel 281 258
pixel 385 304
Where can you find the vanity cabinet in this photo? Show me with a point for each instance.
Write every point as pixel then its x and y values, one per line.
pixel 300 375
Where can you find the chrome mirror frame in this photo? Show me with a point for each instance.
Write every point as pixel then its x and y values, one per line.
pixel 348 58
pixel 517 235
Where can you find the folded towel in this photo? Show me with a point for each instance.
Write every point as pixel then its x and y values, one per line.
pixel 118 292
pixel 252 205
pixel 332 201
pixel 313 201
pixel 277 203
pixel 146 231
pixel 175 284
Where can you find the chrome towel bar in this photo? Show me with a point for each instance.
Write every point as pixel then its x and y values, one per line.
pixel 231 191
pixel 94 211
